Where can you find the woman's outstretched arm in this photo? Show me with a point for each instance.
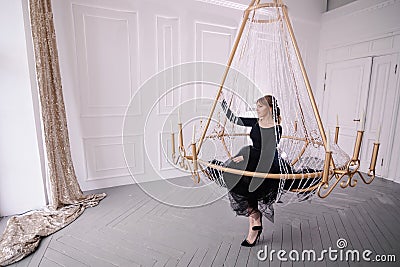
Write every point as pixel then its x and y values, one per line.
pixel 242 121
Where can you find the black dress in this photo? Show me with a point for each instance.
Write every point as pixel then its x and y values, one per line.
pixel 249 194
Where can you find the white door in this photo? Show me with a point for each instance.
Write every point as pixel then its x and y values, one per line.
pixel 345 98
pixel 381 113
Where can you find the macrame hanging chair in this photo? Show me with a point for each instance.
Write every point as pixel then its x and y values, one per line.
pixel 266 52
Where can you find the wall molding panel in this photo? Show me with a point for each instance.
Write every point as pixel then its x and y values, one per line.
pixel 108 59
pixel 105 157
pixel 168 55
pixel 165 150
pixel 208 36
pixel 371 47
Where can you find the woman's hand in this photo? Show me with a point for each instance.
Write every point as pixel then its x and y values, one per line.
pixel 238 159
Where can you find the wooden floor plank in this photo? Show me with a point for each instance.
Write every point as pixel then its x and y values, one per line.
pixel 211 254
pixel 375 246
pixel 277 237
pixel 316 240
pixel 223 251
pixel 287 243
pixel 187 257
pixel 296 241
pixel 63 259
pixel 335 236
pixel 340 228
pixel 265 246
pixel 382 241
pixel 358 230
pixel 233 252
pixel 387 211
pixel 198 257
pixel 49 263
pixel 243 256
pixel 172 262
pixel 78 255
pixel 253 261
pixel 380 220
pixel 129 228
pixel 353 241
pixel 325 237
pixel 37 256
pixel 138 255
pixel 141 245
pixel 91 248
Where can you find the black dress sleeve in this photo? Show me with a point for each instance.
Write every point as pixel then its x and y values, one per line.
pixel 242 121
pixel 279 132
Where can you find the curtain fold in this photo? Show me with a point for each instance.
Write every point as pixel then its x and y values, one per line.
pixel 24 232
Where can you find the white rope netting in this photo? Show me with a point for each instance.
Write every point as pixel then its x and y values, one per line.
pixel 267 58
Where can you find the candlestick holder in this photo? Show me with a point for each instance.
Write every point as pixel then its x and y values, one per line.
pixel 374 157
pixel 336 135
pixel 346 176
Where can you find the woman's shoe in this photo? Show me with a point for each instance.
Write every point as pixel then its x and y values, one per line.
pixel 246 243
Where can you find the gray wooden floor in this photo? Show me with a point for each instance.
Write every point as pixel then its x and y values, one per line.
pixel 129 228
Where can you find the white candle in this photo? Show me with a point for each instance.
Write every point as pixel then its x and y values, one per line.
pixel 379 134
pixel 180 136
pixel 173 143
pixel 172 129
pixel 179 115
pixel 362 122
pixel 337 120
pixel 194 134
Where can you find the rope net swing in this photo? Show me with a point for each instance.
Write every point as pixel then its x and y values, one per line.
pixel 266 53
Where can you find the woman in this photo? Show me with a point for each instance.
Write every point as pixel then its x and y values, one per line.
pixel 250 196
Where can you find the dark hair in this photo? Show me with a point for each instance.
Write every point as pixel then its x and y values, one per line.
pixel 269 100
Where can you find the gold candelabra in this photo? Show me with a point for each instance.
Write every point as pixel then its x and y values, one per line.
pixel 346 175
pixel 185 161
pixel 330 176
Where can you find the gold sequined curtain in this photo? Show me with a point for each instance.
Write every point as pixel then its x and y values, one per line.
pixel 64 186
pixel 24 232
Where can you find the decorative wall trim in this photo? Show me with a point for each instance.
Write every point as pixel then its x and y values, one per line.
pixel 125 21
pixel 95 146
pixel 379 45
pixel 394 32
pixel 168 49
pixel 205 30
pixel 165 151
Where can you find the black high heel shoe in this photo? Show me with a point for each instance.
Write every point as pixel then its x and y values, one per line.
pixel 246 243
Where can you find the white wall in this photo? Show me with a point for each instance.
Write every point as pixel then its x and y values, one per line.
pixel 359 20
pixel 346 31
pixel 142 38
pixel 21 182
pixel 364 28
pixel 306 19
